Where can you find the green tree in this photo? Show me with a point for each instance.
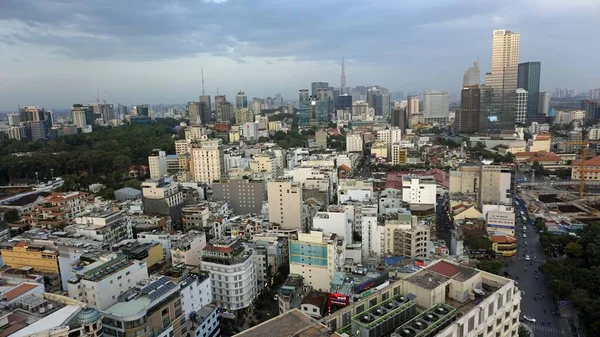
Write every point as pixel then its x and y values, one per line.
pixel 524 332
pixel 12 215
pixel 490 266
pixel 574 250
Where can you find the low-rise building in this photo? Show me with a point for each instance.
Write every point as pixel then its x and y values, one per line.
pixel 164 198
pixel 152 307
pixel 22 254
pixel 187 248
pixel 99 284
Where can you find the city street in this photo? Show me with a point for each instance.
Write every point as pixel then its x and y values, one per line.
pixel 537 301
pixel 443 223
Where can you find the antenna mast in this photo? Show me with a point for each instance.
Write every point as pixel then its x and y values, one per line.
pixel 202 72
pixel 217 91
pixel 105 96
pixel 98 96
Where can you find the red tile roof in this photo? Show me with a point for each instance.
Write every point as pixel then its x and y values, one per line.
pixel 503 238
pixel 590 162
pixel 394 179
pixel 445 268
pixel 218 249
pixel 19 290
pixel 345 168
pixel 21 244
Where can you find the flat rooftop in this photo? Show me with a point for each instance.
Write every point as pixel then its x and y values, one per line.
pixel 293 323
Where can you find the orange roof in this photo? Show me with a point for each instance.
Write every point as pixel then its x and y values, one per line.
pixel 21 244
pixel 345 168
pixel 590 162
pixel 503 238
pixel 544 136
pixel 19 290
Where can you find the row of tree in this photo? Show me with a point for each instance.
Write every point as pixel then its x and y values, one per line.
pixel 575 275
pixel 101 156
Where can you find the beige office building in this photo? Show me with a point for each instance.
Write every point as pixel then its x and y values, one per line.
pixel 207 162
pixel 465 180
pixel 285 203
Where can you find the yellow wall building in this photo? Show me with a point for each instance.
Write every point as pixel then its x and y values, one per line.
pixel 24 254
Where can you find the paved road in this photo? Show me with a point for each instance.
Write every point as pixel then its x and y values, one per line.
pixel 532 304
pixel 443 223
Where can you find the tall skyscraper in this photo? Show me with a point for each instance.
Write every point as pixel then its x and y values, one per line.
pixel 343 80
pixel 82 115
pixel 219 101
pixel 435 106
pixel 544 103
pixel 193 111
pixel 323 103
pixel 468 116
pixel 375 100
pixel 413 105
pixel 472 75
pixel 205 109
pixel 241 100
pixel 399 118
pixel 315 86
pixel 521 108
pixel 529 79
pixel 304 106
pixel 499 97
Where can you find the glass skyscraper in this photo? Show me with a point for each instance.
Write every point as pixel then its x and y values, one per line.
pixel 529 79
pixel 499 97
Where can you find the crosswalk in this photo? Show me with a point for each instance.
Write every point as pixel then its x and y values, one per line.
pixel 547 330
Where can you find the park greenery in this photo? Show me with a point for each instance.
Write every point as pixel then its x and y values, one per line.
pixel 575 275
pixel 103 156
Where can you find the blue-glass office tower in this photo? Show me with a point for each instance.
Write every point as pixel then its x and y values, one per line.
pixel 529 79
pixel 323 102
pixel 304 107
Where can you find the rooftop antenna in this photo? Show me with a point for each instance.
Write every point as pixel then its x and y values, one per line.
pixel 202 72
pixel 98 96
pixel 217 91
pixel 105 96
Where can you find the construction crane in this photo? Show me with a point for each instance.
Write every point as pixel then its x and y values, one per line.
pixel 585 142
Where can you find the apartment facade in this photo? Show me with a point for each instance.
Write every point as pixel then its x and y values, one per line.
pixel 243 195
pixel 285 203
pixel 315 256
pixel 207 161
pixel 157 164
pixel 232 273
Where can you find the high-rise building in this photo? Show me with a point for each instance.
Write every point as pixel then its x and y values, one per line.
pixel 284 198
pixel 544 103
pixel 499 96
pixel 256 108
pixel 206 161
pixel 343 80
pixel 244 115
pixel 343 102
pixel 219 101
pixel 399 118
pixel 243 195
pixel 472 75
pixel 14 119
pixel 314 109
pixel 529 79
pixel 157 163
pixel 194 114
pixel 205 109
pixel 31 113
pixel 413 105
pixel 354 142
pixel 323 106
pixel 468 116
pixel 313 256
pixel 304 106
pixel 591 108
pixel 375 100
pixel 521 107
pixel 435 106
pixel 315 86
pixel 241 100
pixel 82 115
pixel 594 94
pixel 495 185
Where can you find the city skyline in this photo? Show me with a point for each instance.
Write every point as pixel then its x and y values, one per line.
pixel 61 55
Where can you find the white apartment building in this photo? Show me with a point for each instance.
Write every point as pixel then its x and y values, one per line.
pixel 390 201
pixel 99 284
pixel 195 293
pixel 105 225
pixel 354 142
pixel 170 192
pixel 249 131
pixel 366 222
pixel 182 146
pixel 316 256
pixel 419 190
pixel 521 110
pixel 403 235
pixel 435 106
pixel 285 203
pixel 389 136
pixel 335 220
pixel 232 273
pixel 264 164
pixel 399 154
pixel 164 238
pixel 194 133
pixel 157 164
pixel 357 190
pixel 207 161
pixel 187 248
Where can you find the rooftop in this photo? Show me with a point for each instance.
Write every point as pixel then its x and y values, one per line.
pixel 293 323
pixel 19 290
pixel 142 296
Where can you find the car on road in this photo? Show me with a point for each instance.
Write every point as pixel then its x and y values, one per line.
pixel 527 257
pixel 529 319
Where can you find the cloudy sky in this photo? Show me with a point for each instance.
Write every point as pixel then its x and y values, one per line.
pixel 55 53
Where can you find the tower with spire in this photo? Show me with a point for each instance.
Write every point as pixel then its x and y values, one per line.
pixel 343 79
